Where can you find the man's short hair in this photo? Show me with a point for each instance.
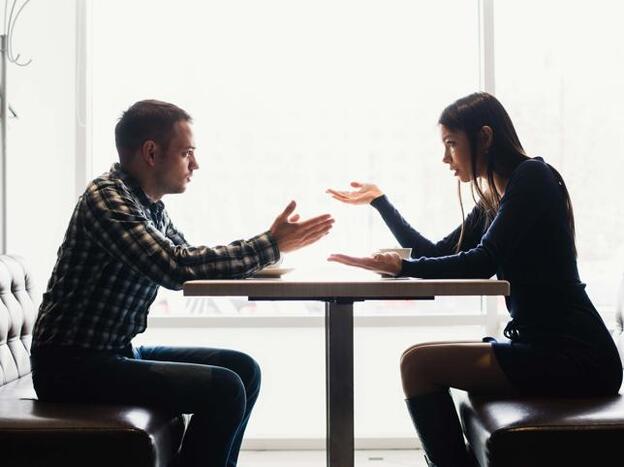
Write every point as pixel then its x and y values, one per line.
pixel 147 120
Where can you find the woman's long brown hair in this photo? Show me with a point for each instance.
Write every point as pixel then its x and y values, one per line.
pixel 470 114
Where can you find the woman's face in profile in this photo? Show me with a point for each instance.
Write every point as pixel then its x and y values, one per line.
pixel 457 153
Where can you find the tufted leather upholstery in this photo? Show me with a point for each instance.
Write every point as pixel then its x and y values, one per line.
pixel 543 431
pixel 618 333
pixel 17 317
pixel 35 433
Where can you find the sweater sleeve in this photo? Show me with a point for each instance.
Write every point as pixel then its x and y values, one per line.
pixel 408 237
pixel 526 199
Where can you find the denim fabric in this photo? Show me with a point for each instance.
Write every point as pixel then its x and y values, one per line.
pixel 218 387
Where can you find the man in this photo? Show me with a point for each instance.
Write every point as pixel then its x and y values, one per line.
pixel 120 246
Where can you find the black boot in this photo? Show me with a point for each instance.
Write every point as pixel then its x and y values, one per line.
pixel 439 430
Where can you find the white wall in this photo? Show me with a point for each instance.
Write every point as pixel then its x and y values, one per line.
pixel 41 141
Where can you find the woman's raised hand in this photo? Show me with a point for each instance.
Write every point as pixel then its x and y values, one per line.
pixel 364 193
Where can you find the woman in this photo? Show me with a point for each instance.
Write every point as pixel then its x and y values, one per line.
pixel 522 230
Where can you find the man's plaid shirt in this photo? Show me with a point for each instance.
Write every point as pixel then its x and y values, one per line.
pixel 118 249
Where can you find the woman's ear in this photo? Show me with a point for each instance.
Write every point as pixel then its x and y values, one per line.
pixel 486 137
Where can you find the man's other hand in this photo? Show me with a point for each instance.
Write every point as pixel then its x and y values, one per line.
pixel 291 234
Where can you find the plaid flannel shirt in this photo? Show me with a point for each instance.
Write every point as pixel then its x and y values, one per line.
pixel 118 249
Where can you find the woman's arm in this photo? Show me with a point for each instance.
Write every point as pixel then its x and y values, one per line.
pixel 529 194
pixel 408 237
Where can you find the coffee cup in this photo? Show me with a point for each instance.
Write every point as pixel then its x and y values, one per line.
pixel 404 253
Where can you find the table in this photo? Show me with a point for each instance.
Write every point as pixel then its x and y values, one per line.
pixel 339 296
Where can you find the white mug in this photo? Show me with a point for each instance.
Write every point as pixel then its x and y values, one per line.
pixel 404 253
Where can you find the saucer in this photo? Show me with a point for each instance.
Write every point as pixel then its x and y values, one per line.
pixel 271 273
pixel 386 276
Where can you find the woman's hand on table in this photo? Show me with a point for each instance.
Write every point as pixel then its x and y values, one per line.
pixel 384 263
pixel 364 193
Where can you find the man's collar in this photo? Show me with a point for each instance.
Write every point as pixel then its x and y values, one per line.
pixel 134 185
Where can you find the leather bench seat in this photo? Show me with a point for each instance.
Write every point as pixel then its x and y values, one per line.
pixel 44 434
pixel 547 431
pixel 534 431
pixel 35 433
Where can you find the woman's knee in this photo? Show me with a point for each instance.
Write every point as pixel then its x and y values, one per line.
pixel 426 368
pixel 414 362
pixel 437 343
pixel 415 374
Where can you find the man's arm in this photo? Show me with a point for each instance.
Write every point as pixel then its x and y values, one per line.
pixel 174 234
pixel 119 226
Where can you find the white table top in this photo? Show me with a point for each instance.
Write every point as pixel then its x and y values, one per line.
pixel 374 288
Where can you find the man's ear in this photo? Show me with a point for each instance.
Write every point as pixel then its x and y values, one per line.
pixel 149 151
pixel 486 137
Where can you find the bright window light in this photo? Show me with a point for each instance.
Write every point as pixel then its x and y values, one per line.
pixel 290 98
pixel 559 70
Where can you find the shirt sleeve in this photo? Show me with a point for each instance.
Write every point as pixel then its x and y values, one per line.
pixel 408 237
pixel 118 225
pixel 524 202
pixel 174 234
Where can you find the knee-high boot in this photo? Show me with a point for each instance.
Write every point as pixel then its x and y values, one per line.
pixel 439 429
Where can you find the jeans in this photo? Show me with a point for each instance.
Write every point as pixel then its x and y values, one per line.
pixel 218 387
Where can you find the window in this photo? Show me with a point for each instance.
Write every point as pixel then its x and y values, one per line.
pixel 290 98
pixel 559 71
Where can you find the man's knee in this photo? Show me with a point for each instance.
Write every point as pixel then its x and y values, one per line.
pixel 249 371
pixel 227 392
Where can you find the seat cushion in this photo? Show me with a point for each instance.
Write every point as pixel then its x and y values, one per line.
pixel 534 431
pixel 37 433
pixel 20 388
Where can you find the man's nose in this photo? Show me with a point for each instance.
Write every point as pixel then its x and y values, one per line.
pixel 194 164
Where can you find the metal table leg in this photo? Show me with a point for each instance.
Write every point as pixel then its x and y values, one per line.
pixel 339 383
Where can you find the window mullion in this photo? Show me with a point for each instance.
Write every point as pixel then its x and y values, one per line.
pixel 486 46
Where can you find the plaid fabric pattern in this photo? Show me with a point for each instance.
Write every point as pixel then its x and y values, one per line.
pixel 118 249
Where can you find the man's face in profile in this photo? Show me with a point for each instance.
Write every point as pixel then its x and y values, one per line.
pixel 176 164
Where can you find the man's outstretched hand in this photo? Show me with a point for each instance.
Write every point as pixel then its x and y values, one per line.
pixel 290 234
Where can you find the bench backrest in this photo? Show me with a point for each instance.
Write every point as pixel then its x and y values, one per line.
pixel 17 317
pixel 618 333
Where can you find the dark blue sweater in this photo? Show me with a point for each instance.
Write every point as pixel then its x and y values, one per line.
pixel 529 244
